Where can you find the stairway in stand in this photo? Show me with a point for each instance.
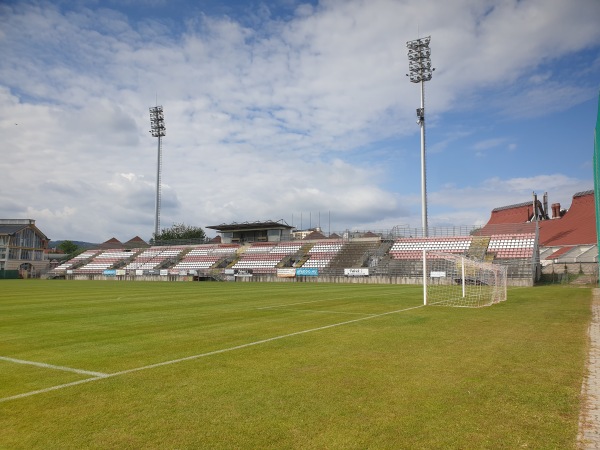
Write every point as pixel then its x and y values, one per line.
pixel 478 248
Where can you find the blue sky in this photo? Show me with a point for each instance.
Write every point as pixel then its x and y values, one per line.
pixel 285 109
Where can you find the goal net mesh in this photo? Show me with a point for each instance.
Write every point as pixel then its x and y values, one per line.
pixel 456 280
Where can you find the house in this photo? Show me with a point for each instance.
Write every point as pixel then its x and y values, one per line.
pixel 22 249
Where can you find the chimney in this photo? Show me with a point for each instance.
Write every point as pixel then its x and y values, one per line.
pixel 555 210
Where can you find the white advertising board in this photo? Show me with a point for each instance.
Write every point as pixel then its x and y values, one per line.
pixel 286 273
pixel 357 272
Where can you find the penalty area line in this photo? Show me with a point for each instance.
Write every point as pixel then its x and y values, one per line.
pixel 52 366
pixel 204 355
pixel 51 388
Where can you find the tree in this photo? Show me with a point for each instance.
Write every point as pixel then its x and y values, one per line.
pixel 67 247
pixel 180 231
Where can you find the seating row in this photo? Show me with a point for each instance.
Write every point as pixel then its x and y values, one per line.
pixel 450 245
pixel 82 256
pixel 245 264
pixel 327 247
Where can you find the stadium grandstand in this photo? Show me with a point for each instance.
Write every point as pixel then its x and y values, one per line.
pixel 529 239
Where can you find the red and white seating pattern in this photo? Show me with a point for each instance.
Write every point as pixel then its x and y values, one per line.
pixel 286 248
pixel 258 258
pixel 205 256
pixel 260 247
pixel 509 246
pixel 412 248
pixel 104 261
pixel 264 257
pixel 321 254
pixel 153 257
pixel 82 256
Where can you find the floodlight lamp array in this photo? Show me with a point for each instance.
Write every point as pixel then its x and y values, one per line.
pixel 419 60
pixel 157 121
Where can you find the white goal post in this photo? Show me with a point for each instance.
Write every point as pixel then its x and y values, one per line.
pixel 456 280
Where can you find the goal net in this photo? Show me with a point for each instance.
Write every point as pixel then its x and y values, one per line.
pixel 456 280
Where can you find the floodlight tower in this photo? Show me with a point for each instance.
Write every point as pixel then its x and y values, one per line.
pixel 419 65
pixel 158 130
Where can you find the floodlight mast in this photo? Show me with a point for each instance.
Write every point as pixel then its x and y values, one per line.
pixel 419 66
pixel 158 130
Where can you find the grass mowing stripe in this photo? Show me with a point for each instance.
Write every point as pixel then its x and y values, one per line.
pixel 52 366
pixel 507 376
pixel 346 297
pixel 202 355
pixel 322 311
pixel 262 341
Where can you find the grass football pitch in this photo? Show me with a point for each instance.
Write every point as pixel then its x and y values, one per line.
pixel 102 364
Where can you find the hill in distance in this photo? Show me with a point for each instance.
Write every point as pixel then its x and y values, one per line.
pixel 80 244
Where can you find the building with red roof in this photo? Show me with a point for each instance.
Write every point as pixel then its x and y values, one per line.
pixel 565 236
pixel 576 226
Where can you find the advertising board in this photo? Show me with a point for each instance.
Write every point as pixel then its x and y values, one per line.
pixel 242 272
pixel 286 273
pixel 357 272
pixel 307 272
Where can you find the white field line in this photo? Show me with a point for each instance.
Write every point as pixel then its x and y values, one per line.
pixel 51 366
pixel 52 388
pixel 203 355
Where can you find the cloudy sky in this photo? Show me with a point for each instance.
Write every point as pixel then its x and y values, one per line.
pixel 290 109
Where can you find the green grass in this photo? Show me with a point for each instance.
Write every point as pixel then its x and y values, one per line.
pixel 507 376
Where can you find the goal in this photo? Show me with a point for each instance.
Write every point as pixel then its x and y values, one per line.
pixel 456 280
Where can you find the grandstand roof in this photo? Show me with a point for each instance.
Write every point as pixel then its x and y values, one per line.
pixel 576 227
pixel 250 226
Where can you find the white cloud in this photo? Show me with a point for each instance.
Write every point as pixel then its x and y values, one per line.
pixel 489 143
pixel 466 205
pixel 263 121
